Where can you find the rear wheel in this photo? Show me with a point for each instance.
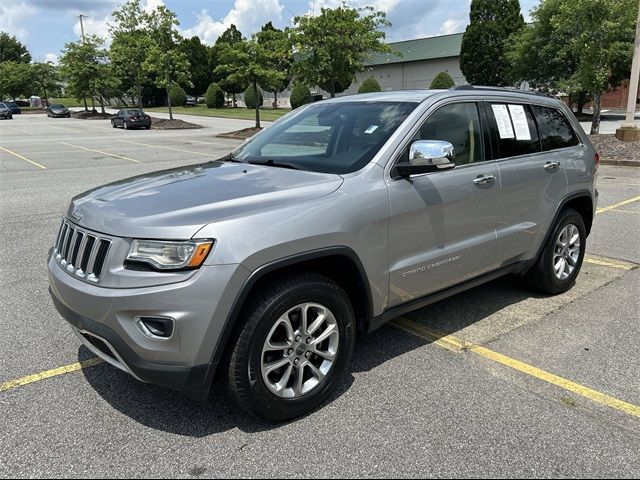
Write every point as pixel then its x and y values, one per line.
pixel 125 125
pixel 561 260
pixel 294 348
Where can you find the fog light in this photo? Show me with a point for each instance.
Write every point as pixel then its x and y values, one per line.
pixel 156 327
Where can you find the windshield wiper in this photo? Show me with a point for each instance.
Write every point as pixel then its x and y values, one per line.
pixel 231 158
pixel 272 163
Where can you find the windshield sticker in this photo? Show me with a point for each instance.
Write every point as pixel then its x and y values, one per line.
pixel 502 119
pixel 371 129
pixel 520 123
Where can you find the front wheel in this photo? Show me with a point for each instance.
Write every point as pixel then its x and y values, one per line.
pixel 294 348
pixel 561 259
pixel 125 125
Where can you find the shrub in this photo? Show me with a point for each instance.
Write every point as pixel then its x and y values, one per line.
pixel 215 96
pixel 249 97
pixel 300 95
pixel 442 81
pixel 370 85
pixel 178 96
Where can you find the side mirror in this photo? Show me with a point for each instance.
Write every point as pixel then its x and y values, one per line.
pixel 426 156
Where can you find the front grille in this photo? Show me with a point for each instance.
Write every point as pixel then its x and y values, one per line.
pixel 80 252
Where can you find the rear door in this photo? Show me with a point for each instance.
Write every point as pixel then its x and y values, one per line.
pixel 442 224
pixel 533 182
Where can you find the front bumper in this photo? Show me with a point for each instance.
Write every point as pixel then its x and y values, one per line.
pixel 104 319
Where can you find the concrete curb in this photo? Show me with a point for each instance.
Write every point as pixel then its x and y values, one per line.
pixel 620 163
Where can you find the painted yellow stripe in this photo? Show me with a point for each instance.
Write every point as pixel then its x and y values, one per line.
pixel 616 205
pixel 451 342
pixel 38 377
pixel 100 151
pixel 171 148
pixel 24 158
pixel 606 262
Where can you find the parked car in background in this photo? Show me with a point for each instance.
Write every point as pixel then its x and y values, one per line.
pixel 58 110
pixel 191 101
pixel 131 118
pixel 13 106
pixel 202 99
pixel 5 112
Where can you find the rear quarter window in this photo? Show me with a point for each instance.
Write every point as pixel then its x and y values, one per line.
pixel 555 129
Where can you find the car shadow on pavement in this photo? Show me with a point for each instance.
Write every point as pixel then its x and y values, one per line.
pixel 163 409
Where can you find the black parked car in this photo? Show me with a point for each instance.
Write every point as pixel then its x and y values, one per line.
pixel 191 101
pixel 13 106
pixel 58 110
pixel 131 118
pixel 5 112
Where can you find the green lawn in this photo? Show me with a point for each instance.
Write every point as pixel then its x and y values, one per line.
pixel 266 114
pixel 69 102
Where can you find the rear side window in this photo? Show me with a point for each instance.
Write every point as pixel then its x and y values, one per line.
pixel 555 129
pixel 516 129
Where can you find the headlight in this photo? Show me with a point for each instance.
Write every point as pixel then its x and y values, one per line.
pixel 170 255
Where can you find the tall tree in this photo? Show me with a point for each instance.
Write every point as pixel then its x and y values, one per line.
pixel 165 60
pixel 333 46
pixel 199 57
pixel 484 44
pixel 250 62
pixel 130 47
pixel 81 64
pixel 581 47
pixel 11 50
pixel 46 79
pixel 15 79
pixel 275 40
pixel 230 36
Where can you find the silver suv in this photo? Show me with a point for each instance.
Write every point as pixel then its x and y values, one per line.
pixel 264 266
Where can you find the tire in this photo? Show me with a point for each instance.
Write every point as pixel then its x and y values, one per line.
pixel 125 125
pixel 285 299
pixel 147 128
pixel 113 124
pixel 543 276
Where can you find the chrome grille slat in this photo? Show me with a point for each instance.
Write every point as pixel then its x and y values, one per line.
pixel 80 252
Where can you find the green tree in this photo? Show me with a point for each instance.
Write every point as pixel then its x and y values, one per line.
pixel 249 62
pixel 250 98
pixel 15 79
pixel 215 96
pixel 46 79
pixel 199 57
pixel 277 40
pixel 300 95
pixel 581 47
pixel 442 81
pixel 370 85
pixel 166 62
pixel 11 50
pixel 484 44
pixel 178 96
pixel 230 36
pixel 81 65
pixel 130 47
pixel 333 46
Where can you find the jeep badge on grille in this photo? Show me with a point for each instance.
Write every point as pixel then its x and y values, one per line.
pixel 76 215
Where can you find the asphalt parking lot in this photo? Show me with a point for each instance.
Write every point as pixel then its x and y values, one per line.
pixel 496 381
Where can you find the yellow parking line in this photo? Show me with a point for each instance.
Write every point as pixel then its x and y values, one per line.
pixel 607 262
pixel 450 342
pixel 616 205
pixel 24 158
pixel 100 151
pixel 74 367
pixel 171 148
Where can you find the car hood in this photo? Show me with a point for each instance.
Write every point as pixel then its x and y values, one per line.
pixel 176 203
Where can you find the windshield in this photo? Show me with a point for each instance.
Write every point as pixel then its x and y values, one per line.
pixel 328 137
pixel 11 104
pixel 135 112
pixel 57 105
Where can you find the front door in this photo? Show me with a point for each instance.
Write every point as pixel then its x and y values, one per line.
pixel 443 225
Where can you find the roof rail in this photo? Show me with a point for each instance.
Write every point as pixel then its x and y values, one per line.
pixel 501 89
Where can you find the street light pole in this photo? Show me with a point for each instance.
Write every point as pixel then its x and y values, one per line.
pixel 629 131
pixel 81 16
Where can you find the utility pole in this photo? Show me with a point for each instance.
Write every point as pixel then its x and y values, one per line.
pixel 629 131
pixel 81 16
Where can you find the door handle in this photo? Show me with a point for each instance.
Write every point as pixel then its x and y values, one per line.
pixel 549 166
pixel 484 179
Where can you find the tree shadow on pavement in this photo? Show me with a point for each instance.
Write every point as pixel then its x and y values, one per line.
pixel 165 410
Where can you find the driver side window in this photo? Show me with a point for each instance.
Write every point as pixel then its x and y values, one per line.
pixel 458 124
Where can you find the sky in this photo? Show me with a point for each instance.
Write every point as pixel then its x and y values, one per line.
pixel 44 26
